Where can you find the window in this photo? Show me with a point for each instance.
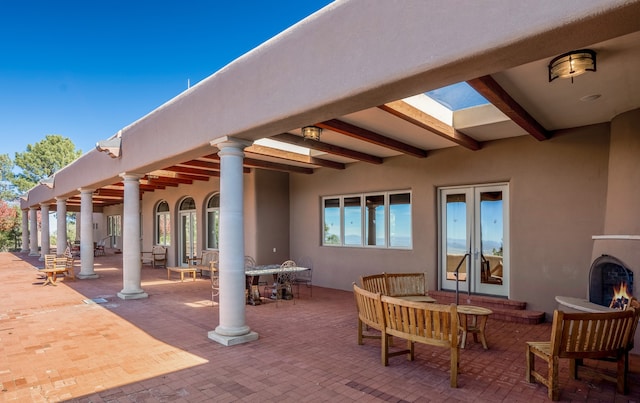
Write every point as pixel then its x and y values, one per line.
pixel 114 225
pixel 163 224
pixel 381 220
pixel 213 221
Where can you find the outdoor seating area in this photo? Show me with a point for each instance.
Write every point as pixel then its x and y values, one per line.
pixel 304 351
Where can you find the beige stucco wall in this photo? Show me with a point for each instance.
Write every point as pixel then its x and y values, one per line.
pixel 266 218
pixel 557 189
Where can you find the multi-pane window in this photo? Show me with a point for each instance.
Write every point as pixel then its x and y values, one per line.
pixel 213 221
pixel 163 224
pixel 381 220
pixel 114 225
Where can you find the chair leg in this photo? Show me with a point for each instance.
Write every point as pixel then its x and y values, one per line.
pixel 554 383
pixel 455 352
pixel 530 365
pixel 384 343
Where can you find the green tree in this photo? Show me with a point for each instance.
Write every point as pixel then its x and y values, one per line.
pixel 7 189
pixel 42 160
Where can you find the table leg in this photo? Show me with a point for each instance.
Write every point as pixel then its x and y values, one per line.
pixel 168 274
pixel 481 326
pixel 463 324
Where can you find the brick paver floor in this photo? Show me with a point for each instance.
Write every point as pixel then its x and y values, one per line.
pixel 54 346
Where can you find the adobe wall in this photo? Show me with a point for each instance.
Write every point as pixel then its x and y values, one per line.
pixel 558 193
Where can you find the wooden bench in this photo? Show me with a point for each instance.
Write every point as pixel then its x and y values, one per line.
pixel 582 335
pixel 431 324
pixel 409 286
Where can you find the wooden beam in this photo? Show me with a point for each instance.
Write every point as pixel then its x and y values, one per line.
pixel 327 148
pixel 360 133
pixel 494 93
pixel 291 156
pixel 275 166
pixel 421 119
pixel 193 171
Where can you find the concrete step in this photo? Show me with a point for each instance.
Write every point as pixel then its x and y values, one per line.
pixel 503 309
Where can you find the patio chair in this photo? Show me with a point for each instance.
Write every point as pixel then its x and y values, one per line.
pixel 215 286
pixel 282 288
pixel 98 250
pixel 206 262
pixel 156 258
pixel 304 277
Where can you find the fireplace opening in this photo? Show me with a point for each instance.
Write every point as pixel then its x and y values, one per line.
pixel 607 276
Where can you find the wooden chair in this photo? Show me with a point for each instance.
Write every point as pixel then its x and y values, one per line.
pixel 157 257
pixel 635 304
pixel 207 260
pixel 68 266
pixel 375 283
pixel 578 336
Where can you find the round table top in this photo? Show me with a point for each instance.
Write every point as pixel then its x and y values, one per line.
pixel 473 310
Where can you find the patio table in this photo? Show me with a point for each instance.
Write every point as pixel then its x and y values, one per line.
pixel 182 271
pixel 478 316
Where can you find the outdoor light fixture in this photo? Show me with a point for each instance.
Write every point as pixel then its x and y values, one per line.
pixel 572 64
pixel 311 132
pixel 110 146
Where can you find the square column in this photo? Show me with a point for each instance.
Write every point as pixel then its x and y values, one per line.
pixel 25 231
pixel 61 224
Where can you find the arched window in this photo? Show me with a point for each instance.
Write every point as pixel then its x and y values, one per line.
pixel 163 224
pixel 213 221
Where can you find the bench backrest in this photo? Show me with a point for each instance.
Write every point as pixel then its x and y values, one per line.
pixel 369 307
pixel 375 283
pixel 404 284
pixel 591 335
pixel 434 324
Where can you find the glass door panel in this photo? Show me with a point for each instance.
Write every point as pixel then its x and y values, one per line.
pixel 188 236
pixel 473 239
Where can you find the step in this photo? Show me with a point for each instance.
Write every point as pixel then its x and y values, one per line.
pixel 503 309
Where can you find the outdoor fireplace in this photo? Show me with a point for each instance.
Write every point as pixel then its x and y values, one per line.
pixel 610 282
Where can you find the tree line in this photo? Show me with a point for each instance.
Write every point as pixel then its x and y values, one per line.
pixel 20 174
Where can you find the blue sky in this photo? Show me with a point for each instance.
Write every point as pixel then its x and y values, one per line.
pixel 85 69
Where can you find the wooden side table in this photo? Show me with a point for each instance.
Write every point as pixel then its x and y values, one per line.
pixel 182 271
pixel 478 317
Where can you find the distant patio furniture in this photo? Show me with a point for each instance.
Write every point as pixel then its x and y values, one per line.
pixel 182 271
pixel 157 257
pixel 98 249
pixel 206 262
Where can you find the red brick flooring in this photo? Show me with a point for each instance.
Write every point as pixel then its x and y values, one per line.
pixel 55 347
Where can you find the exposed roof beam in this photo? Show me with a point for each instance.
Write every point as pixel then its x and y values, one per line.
pixel 494 93
pixel 291 156
pixel 327 148
pixel 252 162
pixel 170 174
pixel 421 119
pixel 360 133
pixel 193 171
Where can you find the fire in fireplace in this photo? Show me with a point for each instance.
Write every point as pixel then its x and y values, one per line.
pixel 610 282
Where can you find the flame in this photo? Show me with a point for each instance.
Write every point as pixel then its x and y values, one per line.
pixel 621 297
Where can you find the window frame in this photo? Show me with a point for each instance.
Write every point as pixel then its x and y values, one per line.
pixel 158 215
pixel 339 201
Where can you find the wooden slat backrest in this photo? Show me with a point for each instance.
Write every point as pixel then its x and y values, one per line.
pixel 369 308
pixel 404 284
pixel 427 323
pixel 590 335
pixel 375 283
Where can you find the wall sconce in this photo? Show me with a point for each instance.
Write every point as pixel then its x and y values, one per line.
pixel 110 146
pixel 311 133
pixel 572 64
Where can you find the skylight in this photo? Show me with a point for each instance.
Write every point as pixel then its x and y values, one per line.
pixel 457 96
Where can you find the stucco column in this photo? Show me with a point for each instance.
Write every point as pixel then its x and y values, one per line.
pixel 25 231
pixel 45 237
pixel 86 234
pixel 33 231
pixel 61 221
pixel 232 328
pixel 131 264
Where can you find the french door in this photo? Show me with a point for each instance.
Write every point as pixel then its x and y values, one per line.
pixel 188 236
pixel 474 239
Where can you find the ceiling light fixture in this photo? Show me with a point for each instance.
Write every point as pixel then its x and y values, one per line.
pixel 311 132
pixel 572 64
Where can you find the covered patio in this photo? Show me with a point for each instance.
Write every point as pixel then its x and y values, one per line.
pixel 157 349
